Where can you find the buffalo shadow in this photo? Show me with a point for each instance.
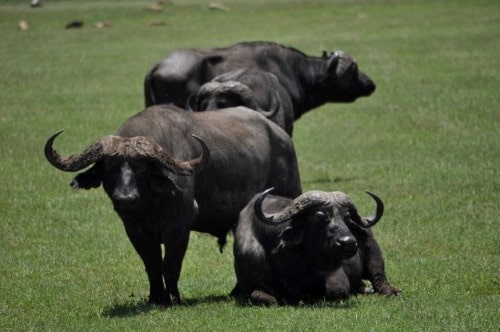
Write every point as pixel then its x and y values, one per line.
pixel 350 303
pixel 134 306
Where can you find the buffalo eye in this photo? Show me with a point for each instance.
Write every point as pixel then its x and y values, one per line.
pixel 321 216
pixel 112 165
pixel 138 167
pixel 224 103
pixel 347 217
pixel 354 68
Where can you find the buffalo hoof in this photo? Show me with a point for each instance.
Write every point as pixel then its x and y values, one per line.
pixel 387 290
pixel 156 301
pixel 259 297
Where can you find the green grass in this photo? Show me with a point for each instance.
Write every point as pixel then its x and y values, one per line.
pixel 427 142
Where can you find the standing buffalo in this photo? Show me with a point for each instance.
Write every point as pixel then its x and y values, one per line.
pixel 310 81
pixel 314 247
pixel 160 197
pixel 255 89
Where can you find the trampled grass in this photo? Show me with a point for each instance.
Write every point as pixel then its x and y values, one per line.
pixel 426 141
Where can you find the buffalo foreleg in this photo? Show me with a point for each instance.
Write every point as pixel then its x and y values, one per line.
pixel 337 286
pixel 176 242
pixel 150 252
pixel 374 268
pixel 259 297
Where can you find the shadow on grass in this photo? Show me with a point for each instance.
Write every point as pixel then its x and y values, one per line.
pixel 129 307
pixel 344 304
pixel 139 306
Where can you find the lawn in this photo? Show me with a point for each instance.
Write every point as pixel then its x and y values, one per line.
pixel 427 141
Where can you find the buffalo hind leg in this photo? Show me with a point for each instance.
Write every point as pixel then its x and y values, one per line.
pixel 375 268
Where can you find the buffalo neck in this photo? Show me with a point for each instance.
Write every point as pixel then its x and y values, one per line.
pixel 310 78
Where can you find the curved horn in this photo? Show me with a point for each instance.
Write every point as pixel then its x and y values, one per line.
pixel 257 208
pixel 76 162
pixel 199 163
pixel 241 93
pixel 244 92
pixel 367 222
pixel 274 108
pixel 191 103
pixel 205 91
pixel 124 147
pixel 299 204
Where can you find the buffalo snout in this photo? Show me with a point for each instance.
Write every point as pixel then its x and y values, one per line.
pixel 125 201
pixel 367 86
pixel 347 246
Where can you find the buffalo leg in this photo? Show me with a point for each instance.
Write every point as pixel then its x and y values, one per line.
pixel 259 297
pixel 150 253
pixel 375 268
pixel 176 242
pixel 337 286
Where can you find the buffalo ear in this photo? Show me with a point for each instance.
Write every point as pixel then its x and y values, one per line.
pixel 355 217
pixel 89 179
pixel 161 181
pixel 332 64
pixel 292 236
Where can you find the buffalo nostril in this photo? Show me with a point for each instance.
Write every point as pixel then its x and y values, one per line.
pixel 125 200
pixel 372 88
pixel 348 243
pixel 369 87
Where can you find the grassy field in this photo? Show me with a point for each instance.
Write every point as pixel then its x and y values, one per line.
pixel 427 141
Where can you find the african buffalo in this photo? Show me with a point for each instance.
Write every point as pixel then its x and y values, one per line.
pixel 255 89
pixel 311 248
pixel 310 81
pixel 160 197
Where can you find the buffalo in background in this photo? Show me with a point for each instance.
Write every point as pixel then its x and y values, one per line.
pixel 255 89
pixel 310 81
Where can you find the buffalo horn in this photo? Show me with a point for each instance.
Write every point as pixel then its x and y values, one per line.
pixel 274 108
pixel 367 222
pixel 227 88
pixel 72 163
pixel 244 91
pixel 299 204
pixel 124 147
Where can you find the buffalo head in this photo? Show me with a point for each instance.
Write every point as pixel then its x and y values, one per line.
pixel 343 81
pixel 215 95
pixel 318 222
pixel 131 169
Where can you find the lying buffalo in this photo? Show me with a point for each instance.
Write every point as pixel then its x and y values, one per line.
pixel 255 89
pixel 311 248
pixel 310 81
pixel 161 193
